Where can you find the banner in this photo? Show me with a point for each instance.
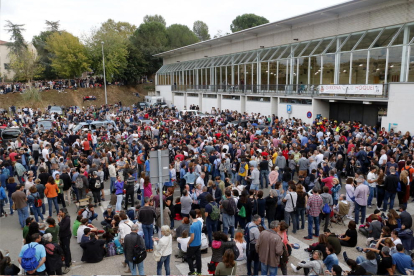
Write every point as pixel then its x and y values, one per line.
pixel 363 89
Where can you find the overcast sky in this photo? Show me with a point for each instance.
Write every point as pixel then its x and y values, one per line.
pixel 79 16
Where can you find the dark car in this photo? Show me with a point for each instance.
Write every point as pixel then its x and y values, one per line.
pixel 9 134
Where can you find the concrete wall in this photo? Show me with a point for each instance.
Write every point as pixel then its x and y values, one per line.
pixel 192 100
pixel 208 104
pixel 320 107
pixel 231 105
pixel 299 111
pixel 383 14
pixel 400 105
pixel 179 101
pixel 165 91
pixel 264 108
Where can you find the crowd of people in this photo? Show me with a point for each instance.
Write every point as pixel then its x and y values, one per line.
pixel 242 191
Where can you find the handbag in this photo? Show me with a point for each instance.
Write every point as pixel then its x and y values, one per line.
pixel 211 267
pixel 157 255
pixel 14 206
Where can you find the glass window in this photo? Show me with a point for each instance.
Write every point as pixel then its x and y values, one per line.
pixel 263 72
pixel 386 37
pixel 236 74
pixel 350 43
pixel 281 74
pixel 344 65
pixel 229 75
pixel 315 70
pixel 272 73
pixel 241 73
pixel 258 99
pixel 265 53
pixel 303 64
pixel 328 69
pixel 359 67
pixel 222 79
pixel 411 67
pixel 287 52
pixel 377 59
pixel 394 64
pixel 282 50
pixel 400 39
pixel 322 47
pixel 248 74
pixel 332 48
pixel 411 33
pixel 300 48
pixel 254 74
pixel 368 39
pixel 310 48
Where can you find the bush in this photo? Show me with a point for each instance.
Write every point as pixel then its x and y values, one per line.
pixel 32 95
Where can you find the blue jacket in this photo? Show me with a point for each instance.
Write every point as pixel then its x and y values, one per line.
pixel 3 194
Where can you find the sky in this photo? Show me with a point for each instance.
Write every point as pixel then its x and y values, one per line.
pixel 80 16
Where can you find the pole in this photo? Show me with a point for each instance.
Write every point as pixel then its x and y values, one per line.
pixel 103 64
pixel 160 186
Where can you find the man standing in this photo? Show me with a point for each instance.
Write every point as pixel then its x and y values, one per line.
pixel 303 165
pixel 290 207
pixel 251 253
pixel 40 255
pixel 146 216
pixel 269 246
pixel 130 241
pixel 255 178
pixel 361 194
pixel 20 201
pixel 390 186
pixel 202 199
pixel 372 179
pixel 64 235
pixel 112 176
pixel 314 207
pixel 129 187
pixel 229 209
pixel 264 172
pixel 194 244
pixel 200 179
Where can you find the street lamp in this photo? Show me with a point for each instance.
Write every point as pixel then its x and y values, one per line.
pixel 103 64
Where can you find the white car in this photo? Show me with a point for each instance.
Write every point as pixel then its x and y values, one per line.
pixel 56 109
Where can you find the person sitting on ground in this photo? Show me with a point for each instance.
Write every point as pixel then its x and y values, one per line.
pixel 369 263
pixel 312 267
pixel 356 269
pixel 406 218
pixel 182 244
pixel 81 228
pixel 108 216
pixel 350 238
pixel 228 266
pixel 334 241
pixel 94 250
pixel 89 213
pixel 332 259
pixel 401 261
pixel 53 229
pixel 336 270
pixel 86 235
pixel 76 225
pixel 320 245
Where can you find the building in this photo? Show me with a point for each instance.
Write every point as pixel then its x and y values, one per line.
pixel 352 61
pixel 6 74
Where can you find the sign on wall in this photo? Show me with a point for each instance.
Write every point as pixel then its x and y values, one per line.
pixel 289 109
pixel 363 89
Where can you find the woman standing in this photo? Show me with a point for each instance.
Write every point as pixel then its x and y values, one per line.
pixel 119 192
pixel 404 191
pixel 35 203
pixel 228 266
pixel 51 192
pixel 147 187
pixel 301 205
pixel 11 188
pixel 271 205
pixel 59 183
pixel 163 249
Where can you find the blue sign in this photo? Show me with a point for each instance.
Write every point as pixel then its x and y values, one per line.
pixel 289 108
pixel 309 114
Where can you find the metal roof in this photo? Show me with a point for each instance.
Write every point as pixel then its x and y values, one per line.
pixel 332 11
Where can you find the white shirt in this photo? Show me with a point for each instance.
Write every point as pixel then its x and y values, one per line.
pixel 124 228
pixel 80 232
pixel 349 192
pixel 200 181
pixel 45 154
pixel 383 160
pixel 372 176
pixel 184 243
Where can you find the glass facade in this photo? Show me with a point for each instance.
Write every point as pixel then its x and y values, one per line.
pixel 376 56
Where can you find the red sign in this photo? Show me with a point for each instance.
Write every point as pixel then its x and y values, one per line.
pixel 309 114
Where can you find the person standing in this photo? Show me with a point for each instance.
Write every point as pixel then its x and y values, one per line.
pixel 290 208
pixel 390 185
pixel 361 195
pixel 20 201
pixel 350 189
pixel 255 178
pixel 130 241
pixel 269 246
pixel 372 179
pixel 146 216
pixel 212 215
pixel 229 209
pixel 251 253
pixel 51 192
pixel 194 244
pixel 119 192
pixel 164 247
pixel 314 207
pixel 129 187
pixel 40 255
pixel 264 172
pixel 64 236
pixel 112 175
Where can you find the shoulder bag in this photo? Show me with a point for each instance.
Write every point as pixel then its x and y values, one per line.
pixel 157 255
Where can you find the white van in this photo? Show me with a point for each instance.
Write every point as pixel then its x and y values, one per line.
pixel 195 113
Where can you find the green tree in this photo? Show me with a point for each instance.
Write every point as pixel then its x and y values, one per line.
pixel 155 18
pixel 124 29
pixel 180 35
pixel 246 21
pixel 53 26
pixel 25 65
pixel 201 30
pixel 15 30
pixel 68 55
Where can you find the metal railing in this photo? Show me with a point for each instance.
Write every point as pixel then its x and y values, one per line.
pixel 271 89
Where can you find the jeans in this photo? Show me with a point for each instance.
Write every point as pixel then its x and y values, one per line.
pixel 11 205
pixel 267 268
pixel 148 231
pixel 133 267
pixel 252 257
pixel 166 261
pixel 285 187
pixel 363 210
pixel 294 220
pixel 94 216
pixel 228 222
pixel 23 215
pixel 372 194
pixel 118 202
pixel 312 220
pixel 254 187
pixel 1 207
pixel 301 212
pixel 111 187
pixel 360 259
pixel 52 201
pixel 37 212
pixel 264 177
pixel 222 175
pixel 194 252
pixel 391 197
pixel 211 228
pixel 241 179
pixel 380 196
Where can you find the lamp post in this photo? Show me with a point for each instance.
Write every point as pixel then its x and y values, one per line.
pixel 103 64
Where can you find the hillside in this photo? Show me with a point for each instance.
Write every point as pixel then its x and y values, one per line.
pixel 125 94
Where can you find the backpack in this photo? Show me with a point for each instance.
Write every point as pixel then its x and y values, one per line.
pixel 81 211
pixel 138 252
pixel 231 207
pixel 242 212
pixel 97 183
pixel 247 235
pixel 236 252
pixel 37 201
pixel 326 209
pixel 242 168
pixel 110 249
pixel 29 261
pixel 75 162
pixel 307 180
pixel 215 213
pixel 79 182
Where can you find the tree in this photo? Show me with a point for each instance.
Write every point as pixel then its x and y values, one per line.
pixel 155 18
pixel 26 65
pixel 180 35
pixel 201 30
pixel 246 21
pixel 124 29
pixel 69 57
pixel 53 26
pixel 18 44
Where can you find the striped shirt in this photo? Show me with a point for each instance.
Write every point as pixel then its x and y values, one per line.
pixel 315 205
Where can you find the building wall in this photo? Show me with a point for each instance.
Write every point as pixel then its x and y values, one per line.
pixel 179 101
pixel 264 108
pixel 381 15
pixel 193 100
pixel 165 92
pixel 208 104
pixel 299 111
pixel 231 105
pixel 400 105
pixel 320 107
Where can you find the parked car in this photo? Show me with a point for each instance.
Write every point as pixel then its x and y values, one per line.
pixel 142 105
pixel 56 109
pixel 46 124
pixel 161 104
pixel 75 109
pixel 9 134
pixel 94 125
